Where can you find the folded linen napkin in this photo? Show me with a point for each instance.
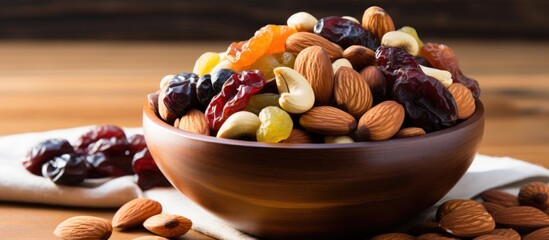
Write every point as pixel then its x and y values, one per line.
pixel 16 184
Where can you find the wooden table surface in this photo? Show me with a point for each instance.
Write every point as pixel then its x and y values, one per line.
pixel 51 85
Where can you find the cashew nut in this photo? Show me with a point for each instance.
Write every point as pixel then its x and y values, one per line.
pixel 340 63
pixel 351 18
pixel 296 94
pixel 238 125
pixel 402 40
pixel 338 139
pixel 443 76
pixel 302 21
pixel 412 31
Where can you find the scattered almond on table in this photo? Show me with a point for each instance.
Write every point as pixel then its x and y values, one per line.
pixel 137 212
pixel 500 215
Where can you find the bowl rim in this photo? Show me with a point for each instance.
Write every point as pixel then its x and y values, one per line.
pixel 149 113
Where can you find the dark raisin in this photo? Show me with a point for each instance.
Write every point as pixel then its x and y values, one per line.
pixel 389 60
pixel 44 152
pixel 220 77
pixel 428 104
pixel 345 32
pixel 180 95
pixel 66 169
pixel 96 133
pixel 147 172
pixel 136 143
pixel 100 165
pixel 205 90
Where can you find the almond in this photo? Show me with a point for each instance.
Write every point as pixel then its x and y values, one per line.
pixel 542 233
pixel 492 207
pixel 194 121
pixel 377 21
pixel 360 56
pixel 135 212
pixel 499 197
pixel 410 132
pixel 522 218
pixel 376 81
pixel 457 204
pixel 298 41
pixel 328 121
pixel 298 136
pixel 491 237
pixel 435 236
pixel 168 225
pixel 150 238
pixel 468 222
pixel 351 93
pixel 464 100
pixel 84 228
pixel 381 122
pixel 506 232
pixel 426 227
pixel 315 66
pixel 534 194
pixel 394 236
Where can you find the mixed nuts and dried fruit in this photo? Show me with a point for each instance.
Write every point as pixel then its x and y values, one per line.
pixel 103 151
pixel 499 215
pixel 135 213
pixel 333 78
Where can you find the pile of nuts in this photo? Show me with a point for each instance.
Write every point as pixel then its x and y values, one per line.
pixel 137 212
pixel 499 216
pixel 333 80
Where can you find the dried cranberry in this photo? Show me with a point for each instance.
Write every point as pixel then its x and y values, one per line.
pixel 147 172
pixel 233 97
pixel 345 32
pixel 180 95
pixel 443 57
pixel 136 144
pixel 220 77
pixel 205 90
pixel 66 169
pixel 44 152
pixel 390 59
pixel 96 133
pixel 427 102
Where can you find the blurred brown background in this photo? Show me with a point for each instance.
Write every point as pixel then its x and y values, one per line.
pixel 234 20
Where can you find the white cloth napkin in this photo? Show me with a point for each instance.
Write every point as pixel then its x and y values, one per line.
pixel 16 184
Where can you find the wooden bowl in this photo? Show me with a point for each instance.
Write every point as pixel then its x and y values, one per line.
pixel 314 190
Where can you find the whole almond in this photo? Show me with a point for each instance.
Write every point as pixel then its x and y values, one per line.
pixel 522 218
pixel 426 227
pixel 150 238
pixel 492 207
pixel 298 41
pixel 394 236
pixel 351 93
pixel 435 236
pixel 381 122
pixel 410 132
pixel 491 237
pixel 506 232
pixel 315 66
pixel 298 136
pixel 465 101
pixel 535 194
pixel 376 81
pixel 499 197
pixel 194 121
pixel 135 212
pixel 360 56
pixel 457 204
pixel 542 233
pixel 84 228
pixel 168 225
pixel 468 222
pixel 377 21
pixel 328 121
